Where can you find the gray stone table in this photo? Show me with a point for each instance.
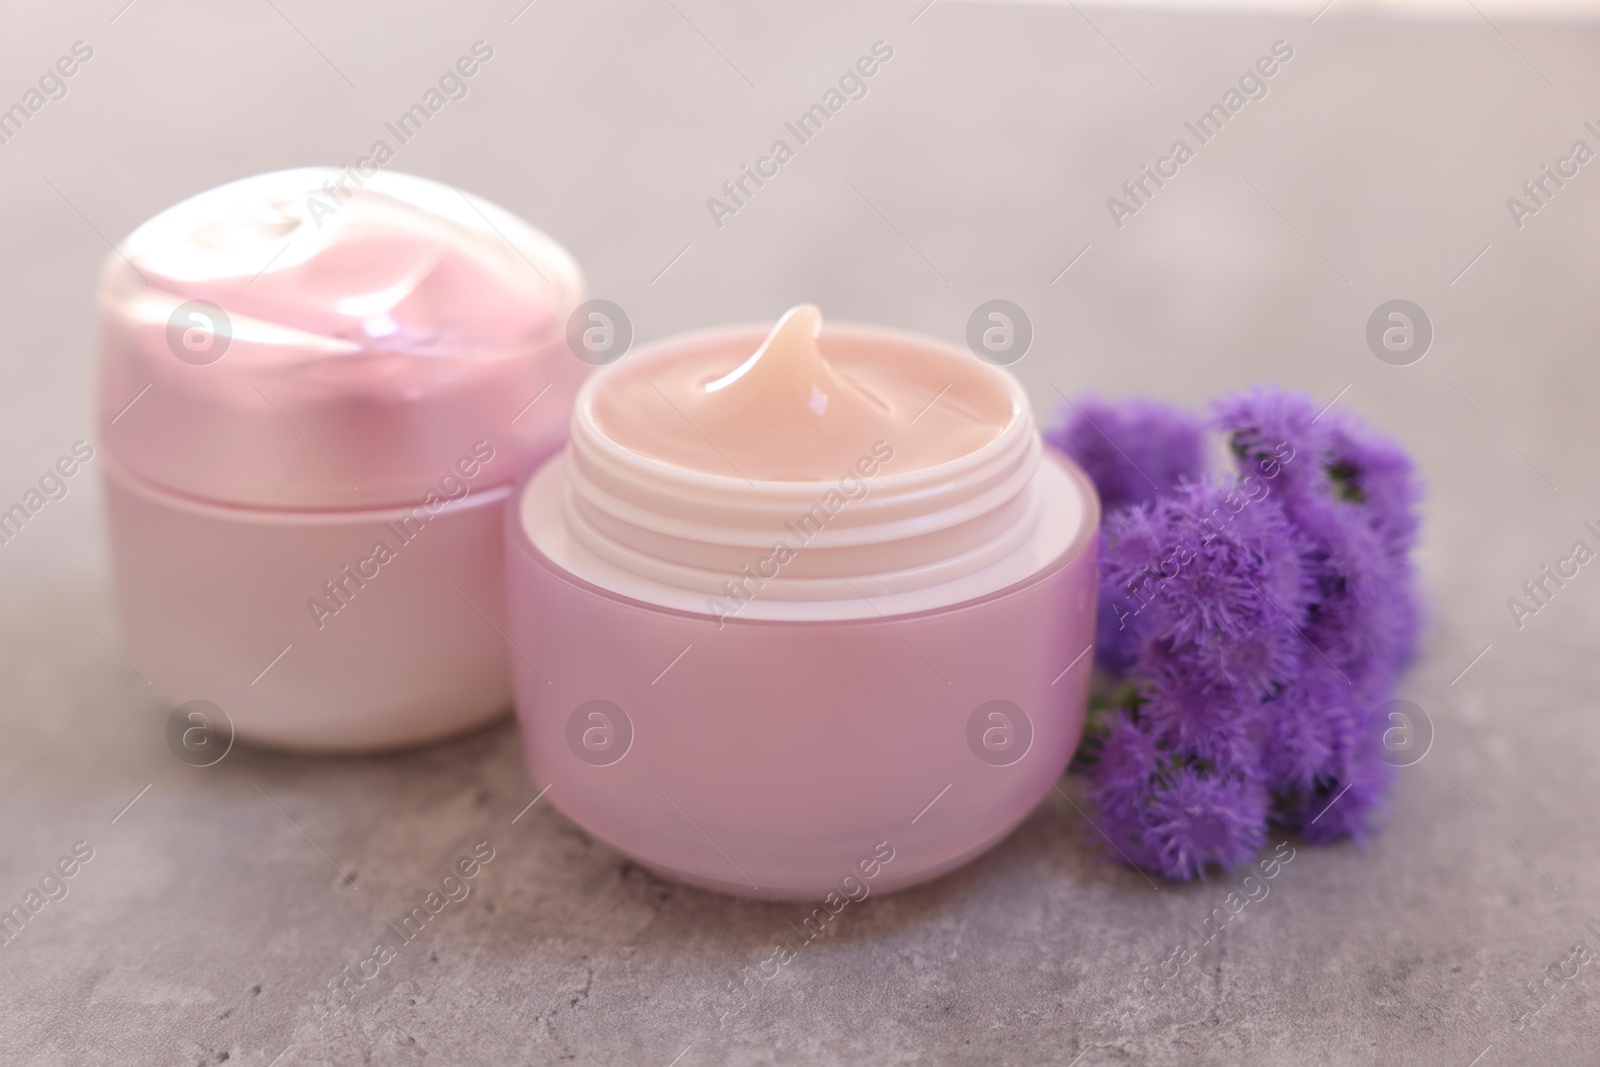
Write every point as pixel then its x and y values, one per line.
pixel 1378 166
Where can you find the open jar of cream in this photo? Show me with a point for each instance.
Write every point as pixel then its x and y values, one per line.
pixel 800 614
pixel 315 399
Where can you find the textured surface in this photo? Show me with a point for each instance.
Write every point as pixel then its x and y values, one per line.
pixel 212 917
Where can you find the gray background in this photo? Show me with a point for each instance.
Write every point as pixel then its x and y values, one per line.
pixel 1378 167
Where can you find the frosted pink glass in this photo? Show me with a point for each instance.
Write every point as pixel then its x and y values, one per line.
pixel 769 758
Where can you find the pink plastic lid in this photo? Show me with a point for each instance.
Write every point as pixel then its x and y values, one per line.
pixel 291 340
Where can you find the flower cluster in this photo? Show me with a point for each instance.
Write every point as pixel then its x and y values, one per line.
pixel 1252 624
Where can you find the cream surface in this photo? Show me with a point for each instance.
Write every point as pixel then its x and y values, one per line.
pixel 794 411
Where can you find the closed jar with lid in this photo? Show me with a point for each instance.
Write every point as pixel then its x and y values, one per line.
pixel 315 399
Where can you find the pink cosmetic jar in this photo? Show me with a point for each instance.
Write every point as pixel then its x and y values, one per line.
pixel 317 391
pixel 802 689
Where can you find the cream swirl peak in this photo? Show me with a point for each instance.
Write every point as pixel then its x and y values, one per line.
pixel 799 409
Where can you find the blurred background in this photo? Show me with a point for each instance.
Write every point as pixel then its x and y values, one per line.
pixel 1380 164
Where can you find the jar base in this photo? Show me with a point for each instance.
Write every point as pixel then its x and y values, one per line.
pixel 815 891
pixel 290 624
pixel 775 758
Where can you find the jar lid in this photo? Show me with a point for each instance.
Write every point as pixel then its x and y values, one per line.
pixel 315 338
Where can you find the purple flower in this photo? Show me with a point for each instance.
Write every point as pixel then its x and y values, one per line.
pixel 1363 618
pixel 1192 715
pixel 1138 540
pixel 1251 626
pixel 1218 576
pixel 1297 728
pixel 1170 813
pixel 1277 437
pixel 1349 785
pixel 1374 473
pixel 1133 451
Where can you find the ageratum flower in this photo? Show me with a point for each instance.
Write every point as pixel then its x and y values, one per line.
pixel 1252 625
pixel 1133 451
pixel 1217 573
pixel 1361 618
pixel 1348 786
pixel 1277 436
pixel 1173 814
pixel 1370 470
